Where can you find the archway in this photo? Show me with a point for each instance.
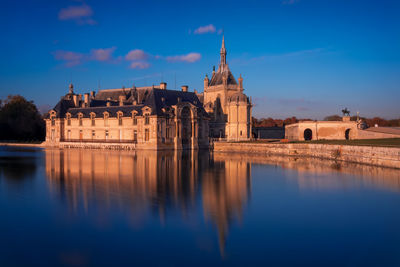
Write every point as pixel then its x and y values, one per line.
pixel 307 134
pixel 186 126
pixel 347 134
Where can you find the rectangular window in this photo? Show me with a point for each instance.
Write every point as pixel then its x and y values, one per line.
pixel 93 120
pixel 53 121
pixel 69 134
pixel 147 119
pixel 106 134
pixel 69 120
pixel 134 136
pixel 93 134
pixel 119 120
pixel 80 120
pixel 146 135
pixel 80 135
pixel 134 121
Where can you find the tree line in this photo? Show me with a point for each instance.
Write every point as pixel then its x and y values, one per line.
pixel 20 120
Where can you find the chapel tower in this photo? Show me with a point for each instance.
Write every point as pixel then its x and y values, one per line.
pixel 228 106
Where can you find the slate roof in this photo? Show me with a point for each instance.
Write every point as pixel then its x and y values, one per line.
pixel 216 78
pixel 155 98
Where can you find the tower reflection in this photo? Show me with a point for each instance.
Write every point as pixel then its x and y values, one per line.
pixel 151 182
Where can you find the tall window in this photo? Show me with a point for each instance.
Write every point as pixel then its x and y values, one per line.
pixel 146 135
pixel 134 136
pixel 105 119
pixel 93 134
pixel 69 119
pixel 146 119
pixel 92 119
pixel 80 119
pixel 106 134
pixel 53 120
pixel 134 120
pixel 119 119
pixel 69 134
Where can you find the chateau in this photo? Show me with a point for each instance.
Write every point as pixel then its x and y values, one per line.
pixel 153 117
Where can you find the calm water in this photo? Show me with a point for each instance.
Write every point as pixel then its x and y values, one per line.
pixel 90 207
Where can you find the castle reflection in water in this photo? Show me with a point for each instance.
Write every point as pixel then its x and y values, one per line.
pixel 166 182
pixel 151 181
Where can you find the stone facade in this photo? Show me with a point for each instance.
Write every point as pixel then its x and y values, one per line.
pixel 137 118
pixel 228 106
pixel 321 130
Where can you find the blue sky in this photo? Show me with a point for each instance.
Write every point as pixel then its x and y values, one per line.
pixel 304 58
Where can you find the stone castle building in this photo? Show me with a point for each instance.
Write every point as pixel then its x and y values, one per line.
pixel 228 106
pixel 136 118
pixel 153 117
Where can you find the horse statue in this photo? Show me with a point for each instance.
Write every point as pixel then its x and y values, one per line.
pixel 346 112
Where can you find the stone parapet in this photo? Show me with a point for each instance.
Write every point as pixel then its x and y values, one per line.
pixel 378 156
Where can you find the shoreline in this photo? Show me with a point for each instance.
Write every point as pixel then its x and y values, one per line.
pixel 370 155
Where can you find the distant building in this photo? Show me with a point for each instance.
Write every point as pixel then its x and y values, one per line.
pixel 228 106
pixel 143 117
pixel 337 130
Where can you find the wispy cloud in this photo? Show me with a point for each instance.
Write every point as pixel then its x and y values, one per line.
pixel 102 54
pixel 137 54
pixel 80 14
pixel 71 58
pixel 289 2
pixel 189 58
pixel 205 29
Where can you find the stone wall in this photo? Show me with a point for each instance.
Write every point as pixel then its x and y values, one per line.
pixel 378 156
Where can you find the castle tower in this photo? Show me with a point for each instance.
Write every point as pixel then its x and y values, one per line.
pixel 227 105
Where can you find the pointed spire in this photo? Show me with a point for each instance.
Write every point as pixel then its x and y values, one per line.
pixel 223 52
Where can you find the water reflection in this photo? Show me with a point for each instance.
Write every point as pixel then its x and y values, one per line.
pixel 150 181
pixel 317 174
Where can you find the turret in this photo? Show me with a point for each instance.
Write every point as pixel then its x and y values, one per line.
pixel 71 88
pixel 240 83
pixel 206 82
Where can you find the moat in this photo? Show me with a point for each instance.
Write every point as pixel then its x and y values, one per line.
pixel 76 207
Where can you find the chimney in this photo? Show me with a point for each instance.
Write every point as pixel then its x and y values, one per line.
pixel 184 88
pixel 122 98
pixel 163 85
pixel 86 97
pixel 76 100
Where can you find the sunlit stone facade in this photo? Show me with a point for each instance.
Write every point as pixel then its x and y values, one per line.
pixel 229 108
pixel 134 118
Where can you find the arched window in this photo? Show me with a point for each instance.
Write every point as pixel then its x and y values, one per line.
pixel 347 134
pixel 92 119
pixel 53 120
